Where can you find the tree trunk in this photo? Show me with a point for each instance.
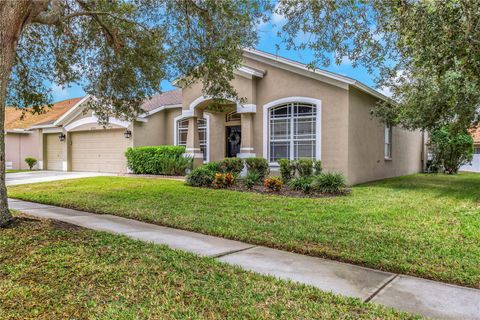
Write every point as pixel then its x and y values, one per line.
pixel 14 14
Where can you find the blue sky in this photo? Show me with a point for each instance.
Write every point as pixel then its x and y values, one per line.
pixel 267 42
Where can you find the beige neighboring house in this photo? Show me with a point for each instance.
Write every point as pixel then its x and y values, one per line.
pixel 289 112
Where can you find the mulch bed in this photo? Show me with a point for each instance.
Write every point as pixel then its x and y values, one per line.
pixel 239 186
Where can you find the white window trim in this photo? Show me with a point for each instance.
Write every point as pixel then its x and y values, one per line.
pixel 175 128
pixel 241 108
pixel 318 124
pixel 94 120
pixel 390 142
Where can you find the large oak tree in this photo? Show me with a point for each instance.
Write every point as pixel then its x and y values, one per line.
pixel 118 50
pixel 426 52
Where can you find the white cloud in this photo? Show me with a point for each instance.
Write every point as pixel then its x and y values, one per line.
pixel 386 91
pixel 59 92
pixel 275 20
pixel 278 19
pixel 346 61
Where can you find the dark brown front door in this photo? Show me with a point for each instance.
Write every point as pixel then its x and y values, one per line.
pixel 234 135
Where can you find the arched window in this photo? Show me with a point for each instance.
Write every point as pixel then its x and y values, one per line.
pixel 292 131
pixel 182 131
pixel 232 116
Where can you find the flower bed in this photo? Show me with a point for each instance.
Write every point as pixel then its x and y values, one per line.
pixel 302 178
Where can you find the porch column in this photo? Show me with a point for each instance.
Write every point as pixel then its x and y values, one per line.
pixel 246 146
pixel 193 142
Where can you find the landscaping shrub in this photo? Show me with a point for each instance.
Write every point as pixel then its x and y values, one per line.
pixel 329 182
pixel 167 160
pixel 219 180
pixel 200 177
pixel 301 184
pixel 450 148
pixel 229 179
pixel 258 165
pixel 287 169
pixel 252 179
pixel 305 167
pixel 273 183
pixel 233 165
pixel 213 166
pixel 317 167
pixel 31 162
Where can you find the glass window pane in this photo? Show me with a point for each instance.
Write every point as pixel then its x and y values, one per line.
pixel 280 129
pixel 304 110
pixel 279 150
pixel 304 149
pixel 182 132
pixel 304 128
pixel 182 137
pixel 299 118
pixel 280 112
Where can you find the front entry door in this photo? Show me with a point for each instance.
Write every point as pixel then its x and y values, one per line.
pixel 234 136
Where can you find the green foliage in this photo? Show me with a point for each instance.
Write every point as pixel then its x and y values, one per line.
pixel 423 51
pixel 273 183
pixel 287 169
pixel 252 179
pixel 450 148
pixel 258 165
pixel 233 165
pixel 31 162
pixel 301 184
pixel 120 51
pixel 317 167
pixel 200 177
pixel 304 167
pixel 166 160
pixel 213 166
pixel 329 183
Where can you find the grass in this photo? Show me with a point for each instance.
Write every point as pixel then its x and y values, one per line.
pixel 14 171
pixel 52 270
pixel 423 225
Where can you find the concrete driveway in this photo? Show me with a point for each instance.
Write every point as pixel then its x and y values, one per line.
pixel 27 177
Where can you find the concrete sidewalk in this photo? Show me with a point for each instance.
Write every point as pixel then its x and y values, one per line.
pixel 415 295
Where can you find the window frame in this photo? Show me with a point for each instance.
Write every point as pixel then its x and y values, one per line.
pixel 207 134
pixel 315 103
pixel 388 143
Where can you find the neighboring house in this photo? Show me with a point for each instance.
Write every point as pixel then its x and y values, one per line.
pixel 22 142
pixel 289 112
pixel 474 166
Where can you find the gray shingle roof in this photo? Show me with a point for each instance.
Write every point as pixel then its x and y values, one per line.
pixel 166 98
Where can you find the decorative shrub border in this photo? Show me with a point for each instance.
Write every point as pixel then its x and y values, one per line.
pixel 301 178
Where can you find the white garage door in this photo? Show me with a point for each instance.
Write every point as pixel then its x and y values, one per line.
pixel 99 151
pixel 54 152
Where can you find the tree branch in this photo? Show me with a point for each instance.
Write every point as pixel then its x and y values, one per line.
pixel 55 16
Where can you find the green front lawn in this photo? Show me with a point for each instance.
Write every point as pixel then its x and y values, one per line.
pixel 52 270
pixel 424 225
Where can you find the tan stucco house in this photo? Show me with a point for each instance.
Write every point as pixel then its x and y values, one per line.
pixel 20 140
pixel 289 112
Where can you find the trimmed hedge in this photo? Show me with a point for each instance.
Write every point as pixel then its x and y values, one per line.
pixel 160 160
